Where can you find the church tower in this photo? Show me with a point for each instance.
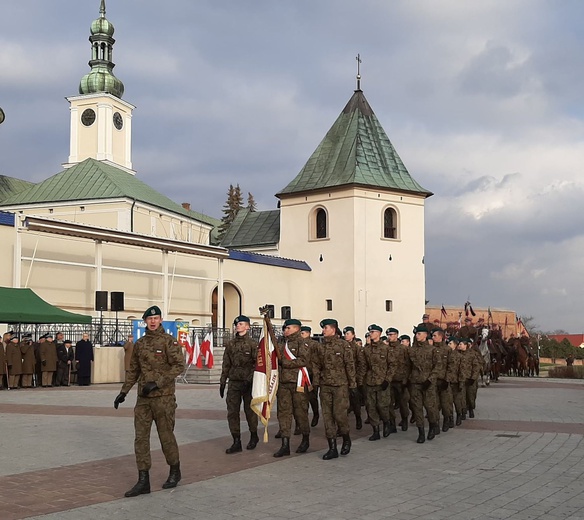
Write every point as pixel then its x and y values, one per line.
pixel 101 121
pixel 356 215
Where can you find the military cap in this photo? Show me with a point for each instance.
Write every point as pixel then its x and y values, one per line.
pixel 9 332
pixel 420 328
pixel 67 341
pixel 27 336
pixel 383 338
pixel 425 316
pixel 152 311
pixel 305 328
pixel 373 327
pixel 358 339
pixel 464 340
pixel 48 335
pixel 292 322
pixel 367 334
pixel 468 319
pixel 348 329
pixel 240 318
pixel 391 330
pixel 13 337
pixel 453 339
pixel 329 321
pixel 404 336
pixel 437 329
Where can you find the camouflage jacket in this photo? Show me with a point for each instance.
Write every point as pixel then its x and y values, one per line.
pixel 289 367
pixel 443 356
pixel 157 357
pixel 453 372
pixel 239 359
pixel 402 362
pixel 376 364
pixel 312 346
pixel 425 362
pixel 356 350
pixel 469 366
pixel 478 362
pixel 333 364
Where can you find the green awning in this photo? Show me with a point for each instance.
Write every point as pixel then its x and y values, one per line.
pixel 25 306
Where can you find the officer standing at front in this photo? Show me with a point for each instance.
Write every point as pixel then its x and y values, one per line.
pixel 239 361
pixel 156 362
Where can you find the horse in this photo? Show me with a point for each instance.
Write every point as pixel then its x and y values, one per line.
pixel 483 345
pixel 522 359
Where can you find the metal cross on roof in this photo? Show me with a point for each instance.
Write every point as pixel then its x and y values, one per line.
pixel 358 58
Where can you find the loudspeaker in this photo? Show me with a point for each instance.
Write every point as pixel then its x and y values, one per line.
pixel 117 301
pixel 101 300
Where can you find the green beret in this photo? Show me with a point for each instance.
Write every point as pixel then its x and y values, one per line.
pixel 404 336
pixel 392 330
pixel 383 338
pixel 152 311
pixel 329 321
pixel 420 328
pixel 453 339
pixel 292 322
pixel 305 328
pixel 374 327
pixel 240 318
pixel 348 329
pixel 437 329
pixel 367 334
pixel 464 340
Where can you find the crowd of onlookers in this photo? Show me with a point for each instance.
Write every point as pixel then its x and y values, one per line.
pixel 47 362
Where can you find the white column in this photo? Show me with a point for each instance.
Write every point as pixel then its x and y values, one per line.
pixel 98 264
pixel 220 294
pixel 74 135
pixel 165 309
pixel 17 272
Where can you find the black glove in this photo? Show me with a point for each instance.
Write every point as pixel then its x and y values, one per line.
pixel 149 387
pixel 222 390
pixel 246 387
pixel 426 384
pixel 385 385
pixel 469 382
pixel 121 397
pixel 44 362
pixel 353 392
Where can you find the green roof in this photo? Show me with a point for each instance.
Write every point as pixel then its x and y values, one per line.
pixel 253 229
pixel 10 185
pixel 355 151
pixel 96 180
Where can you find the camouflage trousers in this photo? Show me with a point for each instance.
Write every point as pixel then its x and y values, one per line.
pixel 292 403
pixel 471 395
pixel 445 399
pixel 313 400
pixel 400 395
pixel 377 404
pixel 458 392
pixel 161 410
pixel 420 399
pixel 355 403
pixel 334 401
pixel 238 391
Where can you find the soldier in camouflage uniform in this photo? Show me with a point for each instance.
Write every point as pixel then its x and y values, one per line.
pixel 334 373
pixel 456 376
pixel 425 364
pixel 400 395
pixel 442 383
pixel 359 397
pixel 239 361
pixel 292 389
pixel 375 370
pixel 306 332
pixel 156 362
pixel 477 366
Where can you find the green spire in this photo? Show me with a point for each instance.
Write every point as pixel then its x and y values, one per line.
pixel 101 78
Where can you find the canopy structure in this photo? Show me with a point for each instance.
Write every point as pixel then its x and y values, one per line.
pixel 25 306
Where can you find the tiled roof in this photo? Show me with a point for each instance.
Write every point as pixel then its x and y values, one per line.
pixel 253 229
pixel 10 185
pixel 96 180
pixel 257 258
pixel 355 151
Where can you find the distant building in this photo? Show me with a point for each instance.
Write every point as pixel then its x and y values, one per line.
pixel 576 340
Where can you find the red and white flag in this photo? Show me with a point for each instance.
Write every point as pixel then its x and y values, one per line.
pixel 265 380
pixel 303 377
pixel 207 350
pixel 183 341
pixel 196 351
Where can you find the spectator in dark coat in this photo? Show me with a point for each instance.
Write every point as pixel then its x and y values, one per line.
pixel 84 356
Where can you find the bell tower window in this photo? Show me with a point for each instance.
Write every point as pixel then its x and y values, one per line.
pixel 321 223
pixel 389 223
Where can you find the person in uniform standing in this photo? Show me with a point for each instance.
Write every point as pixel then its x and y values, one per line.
pixel 375 370
pixel 28 360
pixel 157 360
pixel 84 356
pixel 359 397
pixel 14 361
pixel 48 352
pixel 405 340
pixel 334 373
pixel 293 388
pixel 306 332
pixel 3 377
pixel 443 389
pixel 400 395
pixel 239 361
pixel 66 357
pixel 424 360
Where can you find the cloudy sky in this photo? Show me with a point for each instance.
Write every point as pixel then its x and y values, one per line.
pixel 483 100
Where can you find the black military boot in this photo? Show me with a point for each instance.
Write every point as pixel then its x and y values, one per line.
pixel 332 452
pixel 431 431
pixel 315 418
pixel 358 422
pixel 173 477
pixel 284 449
pixel 386 428
pixel 236 446
pixel 458 419
pixel 404 425
pixel 346 447
pixel 470 413
pixel 451 421
pixel 253 441
pixel 421 435
pixel 304 444
pixel 142 487
pixel 446 424
pixel 375 436
pixel 437 428
pixel 392 428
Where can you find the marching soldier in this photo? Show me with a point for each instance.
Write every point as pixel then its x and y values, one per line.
pixel 405 340
pixel 442 384
pixel 156 362
pixel 238 366
pixel 477 366
pixel 334 373
pixel 425 363
pixel 375 370
pixel 358 397
pixel 400 395
pixel 293 387
pixel 306 332
pixel 457 377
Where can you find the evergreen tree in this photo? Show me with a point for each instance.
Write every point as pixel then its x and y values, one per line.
pixel 251 203
pixel 231 208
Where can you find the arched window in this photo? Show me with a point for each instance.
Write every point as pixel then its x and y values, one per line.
pixel 321 224
pixel 390 223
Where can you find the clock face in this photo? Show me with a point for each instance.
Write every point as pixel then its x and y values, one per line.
pixel 118 121
pixel 2 116
pixel 88 117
